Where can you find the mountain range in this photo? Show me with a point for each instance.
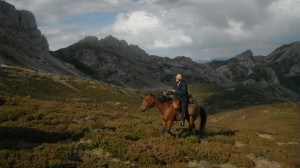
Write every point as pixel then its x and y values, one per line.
pixel 116 62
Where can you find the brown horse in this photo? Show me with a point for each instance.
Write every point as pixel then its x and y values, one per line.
pixel 166 106
pixel 168 109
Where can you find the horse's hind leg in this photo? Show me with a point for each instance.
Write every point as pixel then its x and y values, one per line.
pixel 192 125
pixel 203 117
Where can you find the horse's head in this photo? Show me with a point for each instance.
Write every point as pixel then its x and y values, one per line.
pixel 148 102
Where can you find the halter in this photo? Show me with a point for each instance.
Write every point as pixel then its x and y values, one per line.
pixel 153 103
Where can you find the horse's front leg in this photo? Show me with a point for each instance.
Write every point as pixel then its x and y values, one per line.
pixel 170 123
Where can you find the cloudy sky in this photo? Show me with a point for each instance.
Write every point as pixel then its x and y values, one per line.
pixel 200 29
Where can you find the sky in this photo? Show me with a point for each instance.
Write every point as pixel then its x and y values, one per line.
pixel 200 29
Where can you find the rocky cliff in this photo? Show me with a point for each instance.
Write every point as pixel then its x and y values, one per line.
pixel 21 42
pixel 266 73
pixel 285 61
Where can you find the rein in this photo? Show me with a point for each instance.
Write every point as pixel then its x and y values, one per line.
pixel 155 102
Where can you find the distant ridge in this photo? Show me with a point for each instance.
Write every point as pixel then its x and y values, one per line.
pixel 117 62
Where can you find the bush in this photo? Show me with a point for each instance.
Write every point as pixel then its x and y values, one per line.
pixel 10 113
pixel 35 116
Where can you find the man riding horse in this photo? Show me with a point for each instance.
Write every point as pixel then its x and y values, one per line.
pixel 176 109
pixel 180 92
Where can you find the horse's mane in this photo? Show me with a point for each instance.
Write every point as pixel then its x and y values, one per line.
pixel 163 98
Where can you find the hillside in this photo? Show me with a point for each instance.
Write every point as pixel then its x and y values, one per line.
pixel 49 120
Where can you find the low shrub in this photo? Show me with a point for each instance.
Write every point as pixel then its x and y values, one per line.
pixel 11 113
pixel 241 161
pixel 35 116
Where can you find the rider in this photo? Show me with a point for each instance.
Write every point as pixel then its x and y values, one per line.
pixel 180 92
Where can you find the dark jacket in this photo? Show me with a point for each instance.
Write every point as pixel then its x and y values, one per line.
pixel 181 91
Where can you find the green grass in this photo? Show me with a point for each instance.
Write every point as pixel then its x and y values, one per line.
pixel 76 122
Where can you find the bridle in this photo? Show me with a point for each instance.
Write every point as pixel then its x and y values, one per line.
pixel 151 105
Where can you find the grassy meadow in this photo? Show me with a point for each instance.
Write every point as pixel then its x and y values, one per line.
pixel 54 121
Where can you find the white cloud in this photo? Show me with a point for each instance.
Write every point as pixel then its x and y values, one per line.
pixel 148 31
pixel 135 22
pixel 174 39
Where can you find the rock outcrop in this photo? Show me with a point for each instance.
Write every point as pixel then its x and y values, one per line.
pixel 285 61
pixel 244 67
pixel 268 73
pixel 22 43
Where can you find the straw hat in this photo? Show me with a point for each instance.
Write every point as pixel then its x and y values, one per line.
pixel 178 76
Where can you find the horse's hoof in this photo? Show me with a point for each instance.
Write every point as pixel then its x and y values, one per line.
pixel 185 134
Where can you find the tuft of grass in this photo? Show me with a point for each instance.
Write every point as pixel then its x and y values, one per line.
pixel 12 113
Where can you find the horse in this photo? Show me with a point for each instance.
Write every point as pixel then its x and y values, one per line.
pixel 165 105
pixel 168 109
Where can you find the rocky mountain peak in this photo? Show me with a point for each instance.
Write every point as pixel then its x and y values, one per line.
pixel 121 47
pixel 112 42
pixel 22 23
pixel 22 43
pixel 285 60
pixel 183 58
pixel 27 20
pixel 246 58
pixel 92 39
pixel 10 17
pixel 285 52
pixel 89 40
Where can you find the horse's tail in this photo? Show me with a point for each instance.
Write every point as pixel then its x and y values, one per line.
pixel 203 117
